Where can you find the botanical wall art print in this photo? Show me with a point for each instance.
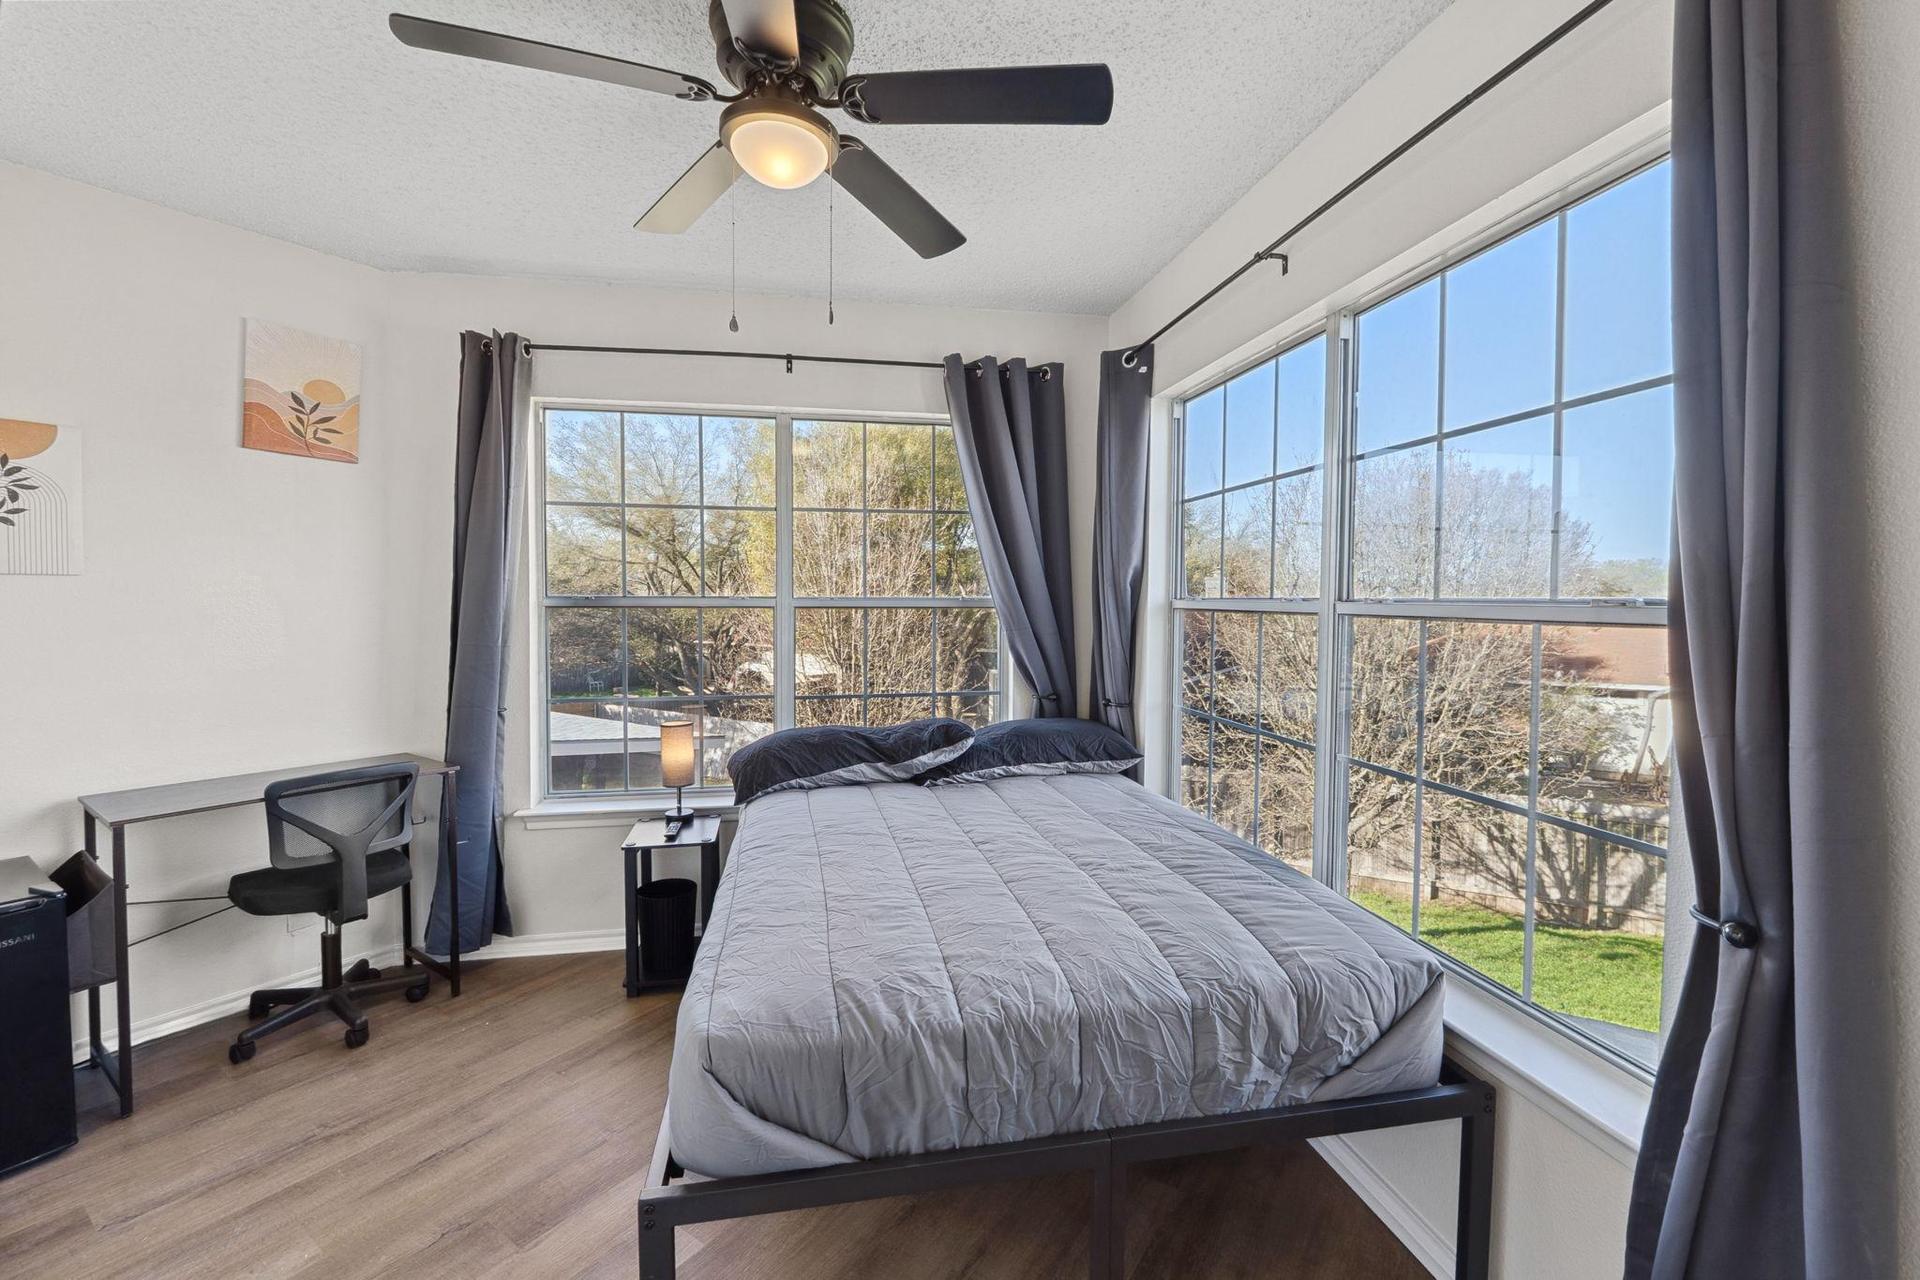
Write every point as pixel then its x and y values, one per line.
pixel 302 393
pixel 40 526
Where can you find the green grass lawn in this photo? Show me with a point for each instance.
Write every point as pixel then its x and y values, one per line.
pixel 1614 977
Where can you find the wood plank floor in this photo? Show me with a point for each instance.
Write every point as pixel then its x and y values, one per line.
pixel 505 1134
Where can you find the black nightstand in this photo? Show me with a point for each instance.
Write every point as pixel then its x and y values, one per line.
pixel 637 851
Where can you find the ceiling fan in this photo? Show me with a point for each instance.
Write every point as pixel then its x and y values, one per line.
pixel 787 59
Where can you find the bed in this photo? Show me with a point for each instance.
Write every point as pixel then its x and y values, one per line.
pixel 904 987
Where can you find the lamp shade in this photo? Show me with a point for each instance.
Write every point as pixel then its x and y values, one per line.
pixel 676 753
pixel 779 143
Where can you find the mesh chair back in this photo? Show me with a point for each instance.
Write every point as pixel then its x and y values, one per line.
pixel 341 817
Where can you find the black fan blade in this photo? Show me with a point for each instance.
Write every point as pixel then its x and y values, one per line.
pixel 872 181
pixel 765 26
pixel 1077 94
pixel 469 42
pixel 705 181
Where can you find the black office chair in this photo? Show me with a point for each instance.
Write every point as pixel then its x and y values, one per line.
pixel 335 840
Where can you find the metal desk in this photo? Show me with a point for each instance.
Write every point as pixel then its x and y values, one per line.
pixel 122 809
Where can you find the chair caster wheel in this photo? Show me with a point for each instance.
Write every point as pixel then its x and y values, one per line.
pixel 258 1008
pixel 417 992
pixel 362 972
pixel 241 1051
pixel 357 1036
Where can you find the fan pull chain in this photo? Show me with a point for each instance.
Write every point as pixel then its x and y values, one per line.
pixel 830 186
pixel 733 236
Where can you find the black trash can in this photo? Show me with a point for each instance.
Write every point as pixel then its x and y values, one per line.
pixel 90 938
pixel 666 910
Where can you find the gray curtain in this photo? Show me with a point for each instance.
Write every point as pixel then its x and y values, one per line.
pixel 1010 429
pixel 1119 536
pixel 487 489
pixel 1767 1150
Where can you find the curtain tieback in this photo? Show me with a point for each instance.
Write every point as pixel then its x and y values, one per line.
pixel 1046 697
pixel 1114 702
pixel 1736 933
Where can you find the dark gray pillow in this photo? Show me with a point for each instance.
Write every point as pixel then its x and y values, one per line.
pixel 842 755
pixel 1058 745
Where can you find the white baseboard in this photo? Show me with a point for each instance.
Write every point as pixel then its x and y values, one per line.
pixel 158 1025
pixel 155 1026
pixel 551 944
pixel 1426 1241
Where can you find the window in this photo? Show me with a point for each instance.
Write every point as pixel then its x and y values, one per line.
pixel 689 574
pixel 892 621
pixel 1253 475
pixel 1496 671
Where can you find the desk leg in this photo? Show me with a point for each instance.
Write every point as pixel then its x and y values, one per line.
pixel 450 832
pixel 449 861
pixel 96 1043
pixel 631 908
pixel 122 989
pixel 406 918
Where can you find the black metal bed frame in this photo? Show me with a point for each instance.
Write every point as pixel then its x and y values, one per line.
pixel 1107 1154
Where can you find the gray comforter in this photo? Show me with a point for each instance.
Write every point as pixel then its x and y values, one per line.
pixel 893 968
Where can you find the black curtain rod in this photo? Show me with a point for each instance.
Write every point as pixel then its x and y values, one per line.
pixel 1272 252
pixel 740 355
pixel 1046 374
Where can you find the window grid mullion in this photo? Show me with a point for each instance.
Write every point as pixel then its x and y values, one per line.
pixel 1273 538
pixel 1332 639
pixel 1440 445
pixel 700 496
pixel 1533 808
pixel 785 663
pixel 1419 772
pixel 1259 682
pixel 626 643
pixel 1213 697
pixel 1559 407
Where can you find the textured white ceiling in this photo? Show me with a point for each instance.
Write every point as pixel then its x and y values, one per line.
pixel 306 120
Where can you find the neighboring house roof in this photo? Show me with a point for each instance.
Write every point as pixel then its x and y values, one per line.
pixel 585 733
pixel 1634 656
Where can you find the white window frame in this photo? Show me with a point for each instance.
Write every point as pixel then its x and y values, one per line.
pixel 1336 609
pixel 783 602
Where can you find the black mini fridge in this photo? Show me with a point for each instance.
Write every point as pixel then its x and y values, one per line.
pixel 36 1041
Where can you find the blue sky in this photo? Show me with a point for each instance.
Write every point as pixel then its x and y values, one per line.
pixel 1500 339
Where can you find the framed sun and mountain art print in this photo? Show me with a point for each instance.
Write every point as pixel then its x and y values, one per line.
pixel 301 393
pixel 40 525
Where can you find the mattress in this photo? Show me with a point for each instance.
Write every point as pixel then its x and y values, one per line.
pixel 893 969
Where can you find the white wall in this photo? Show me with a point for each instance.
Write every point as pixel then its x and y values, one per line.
pixel 1562 1185
pixel 244 610
pixel 223 620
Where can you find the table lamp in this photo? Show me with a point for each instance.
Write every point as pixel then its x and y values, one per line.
pixel 676 764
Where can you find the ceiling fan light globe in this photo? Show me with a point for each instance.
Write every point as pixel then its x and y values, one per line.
pixel 778 144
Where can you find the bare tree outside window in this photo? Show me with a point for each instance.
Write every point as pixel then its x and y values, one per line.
pixel 880 515
pixel 1499 683
pixel 662 564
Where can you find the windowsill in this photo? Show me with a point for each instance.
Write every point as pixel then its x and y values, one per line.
pixel 615 811
pixel 1602 1100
